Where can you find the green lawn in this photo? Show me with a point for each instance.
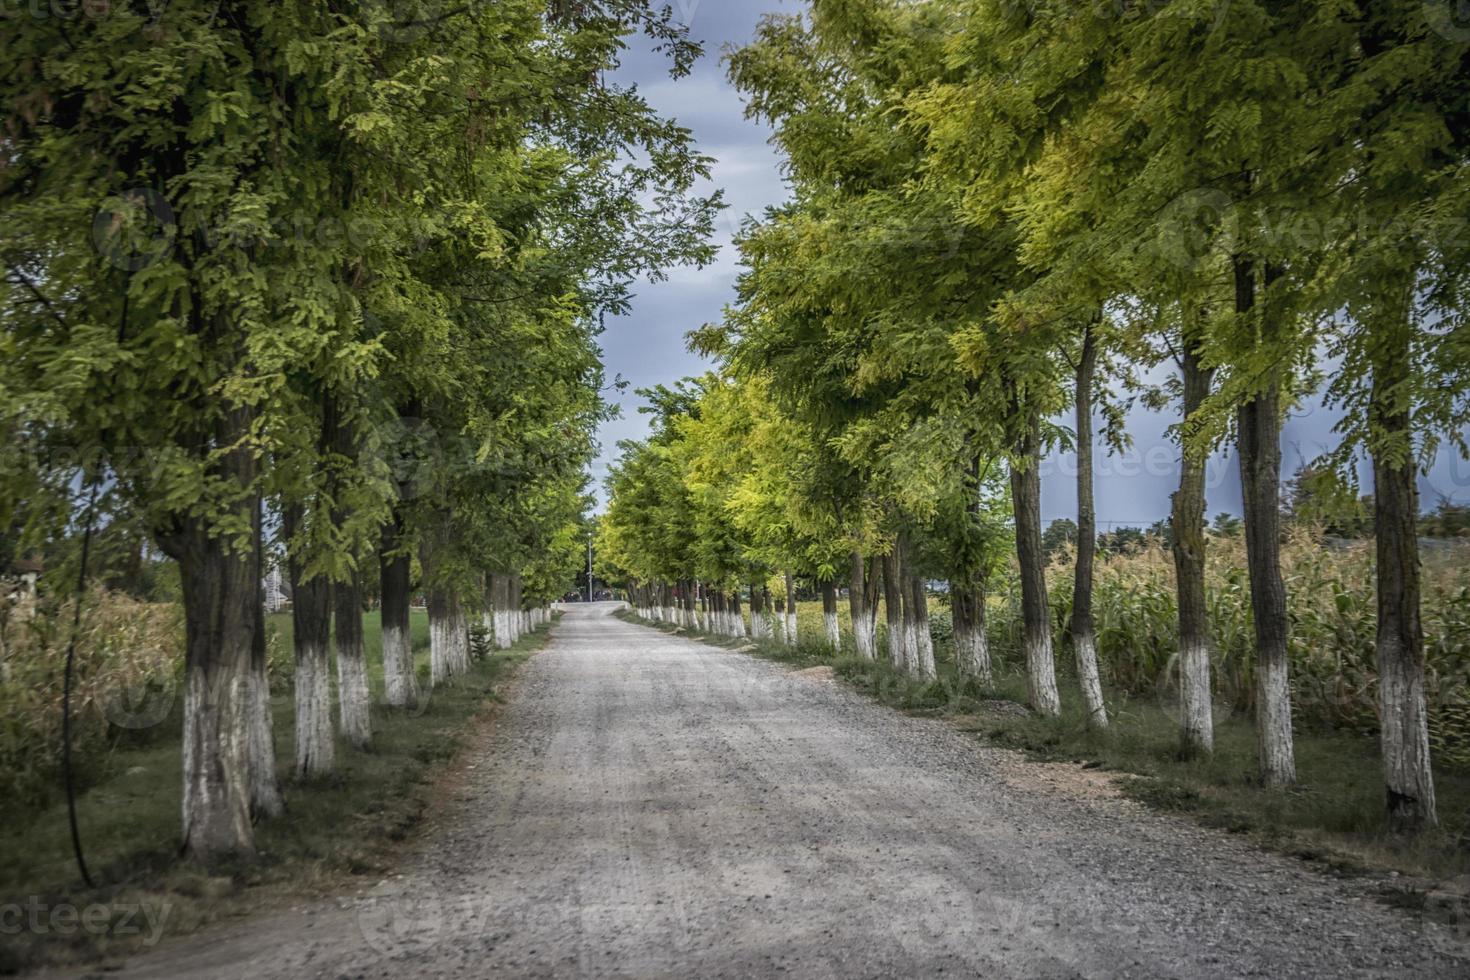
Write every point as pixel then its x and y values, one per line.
pixel 343 825
pixel 279 636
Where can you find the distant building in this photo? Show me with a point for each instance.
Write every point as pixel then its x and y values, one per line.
pixel 276 597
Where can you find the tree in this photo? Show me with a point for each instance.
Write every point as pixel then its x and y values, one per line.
pixel 282 189
pixel 1391 113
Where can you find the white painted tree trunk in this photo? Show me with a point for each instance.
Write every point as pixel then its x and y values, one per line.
pixel 1408 777
pixel 216 802
pixel 441 638
pixel 972 650
pixel 398 679
pixel 221 598
pixel 352 681
pixel 461 648
pixel 922 650
pixel 760 626
pixel 314 746
pixel 924 665
pixel 834 632
pixel 1273 722
pixel 352 696
pixel 400 685
pixel 788 615
pixel 265 789
pixel 1087 675
pixel 860 609
pixel 1198 722
pixel 1041 671
pixel 496 626
pixel 910 646
pixel 864 637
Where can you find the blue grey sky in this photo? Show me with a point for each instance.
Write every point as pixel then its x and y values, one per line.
pixel 647 346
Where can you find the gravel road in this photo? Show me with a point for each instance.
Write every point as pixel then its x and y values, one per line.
pixel 652 807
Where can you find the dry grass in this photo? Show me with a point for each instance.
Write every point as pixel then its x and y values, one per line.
pixel 1332 609
pixel 129 659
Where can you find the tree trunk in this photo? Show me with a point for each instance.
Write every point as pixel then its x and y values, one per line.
pixel 857 607
pixel 352 680
pixel 500 589
pixel 459 638
pixel 265 787
pixel 311 622
pixel 1404 728
pixel 441 634
pixel 829 616
pixel 737 620
pixel 1258 424
pixel 972 646
pixel 1084 637
pixel 219 593
pixel 1041 676
pixel 219 623
pixel 893 609
pixel 1196 722
pixel 517 606
pixel 400 689
pixel 758 629
pixel 872 596
pixel 922 660
pixel 790 626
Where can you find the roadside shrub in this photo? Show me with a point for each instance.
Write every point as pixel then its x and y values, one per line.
pixel 1331 605
pixel 128 668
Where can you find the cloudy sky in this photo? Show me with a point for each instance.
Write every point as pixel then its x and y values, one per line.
pixel 647 347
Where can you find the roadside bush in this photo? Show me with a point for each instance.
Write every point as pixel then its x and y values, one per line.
pixel 128 668
pixel 1332 608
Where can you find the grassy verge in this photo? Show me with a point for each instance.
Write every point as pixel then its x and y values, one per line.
pixel 1334 816
pixel 334 828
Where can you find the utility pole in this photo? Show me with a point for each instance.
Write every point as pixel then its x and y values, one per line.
pixel 589 568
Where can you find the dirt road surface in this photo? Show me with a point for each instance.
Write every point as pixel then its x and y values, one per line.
pixel 649 806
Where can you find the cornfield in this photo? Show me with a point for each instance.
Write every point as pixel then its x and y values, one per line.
pixel 129 661
pixel 1331 603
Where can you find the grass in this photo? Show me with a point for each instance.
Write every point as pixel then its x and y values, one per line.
pixel 1334 815
pixel 334 829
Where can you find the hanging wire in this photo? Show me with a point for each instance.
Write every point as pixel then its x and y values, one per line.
pixel 71 654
